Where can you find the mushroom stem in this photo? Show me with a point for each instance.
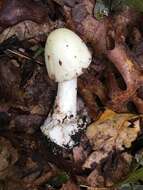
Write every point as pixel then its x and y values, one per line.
pixel 62 123
pixel 66 99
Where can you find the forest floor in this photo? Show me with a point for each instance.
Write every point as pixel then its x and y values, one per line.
pixel 109 152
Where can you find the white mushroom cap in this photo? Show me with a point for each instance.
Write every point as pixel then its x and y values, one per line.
pixel 66 55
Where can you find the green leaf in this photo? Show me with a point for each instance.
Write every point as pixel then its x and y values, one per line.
pixel 101 9
pixel 38 52
pixel 137 4
pixel 105 6
pixel 131 187
pixel 134 176
pixel 57 181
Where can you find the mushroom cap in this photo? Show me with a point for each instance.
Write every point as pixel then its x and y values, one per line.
pixel 66 55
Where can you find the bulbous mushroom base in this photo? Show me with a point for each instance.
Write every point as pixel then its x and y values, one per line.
pixel 61 132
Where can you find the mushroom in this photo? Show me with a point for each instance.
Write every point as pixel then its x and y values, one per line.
pixel 66 57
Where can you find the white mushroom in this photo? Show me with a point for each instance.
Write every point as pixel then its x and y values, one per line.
pixel 66 57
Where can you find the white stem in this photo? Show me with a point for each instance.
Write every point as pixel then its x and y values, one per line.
pixel 66 100
pixel 62 124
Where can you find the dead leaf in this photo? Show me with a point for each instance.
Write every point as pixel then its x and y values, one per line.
pixel 81 152
pixel 95 179
pixel 94 188
pixel 8 156
pixel 110 171
pixel 70 186
pixel 112 131
pixel 25 30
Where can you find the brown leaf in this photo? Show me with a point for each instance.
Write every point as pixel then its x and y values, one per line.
pixel 70 186
pixel 95 179
pixel 8 156
pixel 112 131
pixel 110 171
pixel 95 188
pixel 9 79
pixel 26 30
pixel 27 123
pixel 15 11
pixel 116 168
pixel 81 152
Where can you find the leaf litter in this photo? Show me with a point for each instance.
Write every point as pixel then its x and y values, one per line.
pixel 107 148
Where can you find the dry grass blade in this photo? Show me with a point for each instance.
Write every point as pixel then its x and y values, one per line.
pixel 24 56
pixel 96 188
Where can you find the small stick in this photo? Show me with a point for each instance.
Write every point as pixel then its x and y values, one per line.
pixel 93 188
pixel 24 56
